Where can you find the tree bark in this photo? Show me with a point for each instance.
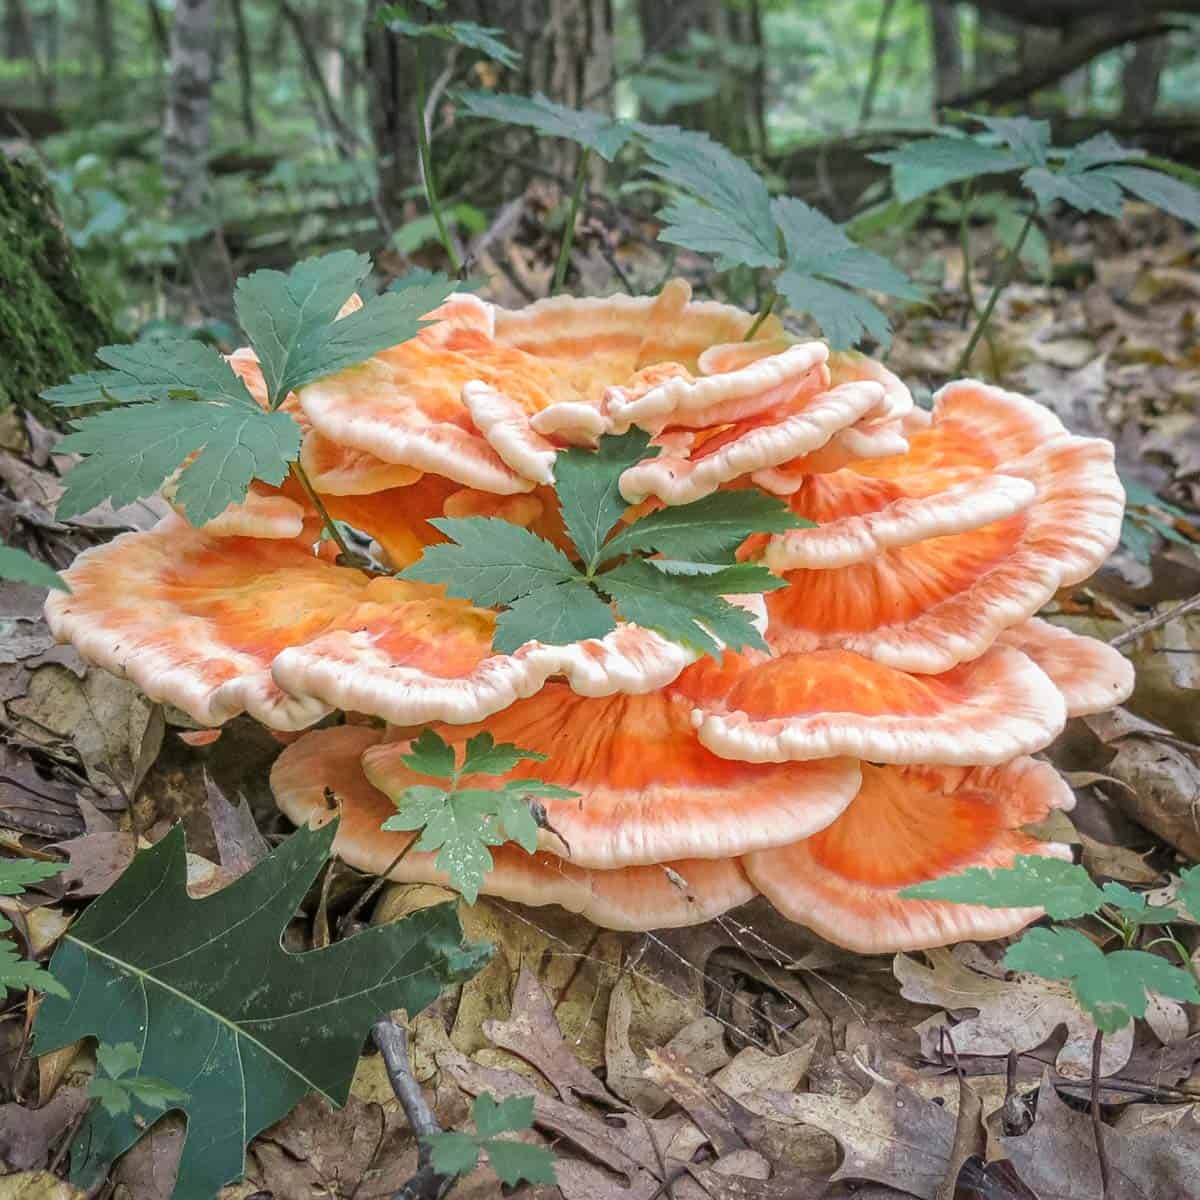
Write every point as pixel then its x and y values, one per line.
pixel 878 50
pixel 736 113
pixel 158 28
pixel 1064 14
pixel 945 38
pixel 1062 59
pixel 19 45
pixel 1141 77
pixel 106 42
pixel 245 64
pixel 51 319
pixel 566 53
pixel 186 124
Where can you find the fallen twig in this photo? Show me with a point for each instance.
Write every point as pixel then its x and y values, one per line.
pixel 1155 622
pixel 392 1040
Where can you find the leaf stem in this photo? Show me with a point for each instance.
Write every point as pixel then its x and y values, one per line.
pixel 1006 277
pixel 964 239
pixel 301 477
pixel 568 237
pixel 376 884
pixel 1097 1123
pixel 762 316
pixel 431 195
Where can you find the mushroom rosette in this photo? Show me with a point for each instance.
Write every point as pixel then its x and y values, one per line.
pixel 881 737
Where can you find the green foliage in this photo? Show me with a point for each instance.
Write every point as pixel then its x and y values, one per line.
pixel 1147 518
pixel 177 398
pixel 24 568
pixel 461 823
pixel 1111 987
pixel 116 1090
pixel 729 213
pixel 16 874
pixel 220 1010
pixel 1093 176
pixel 485 39
pixel 551 599
pixel 457 1153
pixel 592 130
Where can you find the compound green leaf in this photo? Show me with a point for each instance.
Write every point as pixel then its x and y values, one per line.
pixel 1171 195
pixel 491 562
pixel 555 616
pixel 1063 889
pixel 927 164
pixel 219 1010
pixel 594 130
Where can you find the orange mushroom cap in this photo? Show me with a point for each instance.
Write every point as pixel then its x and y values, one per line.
pixel 1091 675
pixel 649 791
pixel 925 603
pixel 219 626
pixel 657 896
pixel 907 825
pixel 808 706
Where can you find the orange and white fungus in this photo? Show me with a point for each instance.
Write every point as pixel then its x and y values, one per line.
pixel 881 740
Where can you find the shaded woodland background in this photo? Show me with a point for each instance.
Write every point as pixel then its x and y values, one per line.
pixel 190 142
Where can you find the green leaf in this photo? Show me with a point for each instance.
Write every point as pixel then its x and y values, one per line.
pixel 291 319
pixel 729 212
pixel 20 973
pixel 679 607
pixel 739 579
pixel 1189 891
pixel 133 450
pixel 1063 889
pixel 1171 195
pixel 430 755
pixel 148 965
pixel 155 1093
pixel 422 276
pixel 491 562
pixel 594 130
pixel 114 1099
pixel 927 164
pixel 154 370
pixel 453 1153
pixel 1028 139
pixel 554 616
pixel 514 1161
pixel 471 36
pixel 516 819
pixel 822 262
pixel 457 826
pixel 588 486
pixel 707 530
pixel 119 1060
pixel 483 755
pixel 16 874
pixel 494 1116
pixel 1110 988
pixel 1092 191
pixel 1099 150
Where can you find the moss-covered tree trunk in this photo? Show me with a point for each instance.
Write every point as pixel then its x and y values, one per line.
pixel 51 321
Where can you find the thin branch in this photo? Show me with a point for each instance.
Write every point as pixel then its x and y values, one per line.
pixel 1097 1123
pixel 1067 57
pixel 1160 619
pixel 877 53
pixel 392 1040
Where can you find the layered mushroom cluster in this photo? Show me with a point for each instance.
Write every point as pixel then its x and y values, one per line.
pixel 881 741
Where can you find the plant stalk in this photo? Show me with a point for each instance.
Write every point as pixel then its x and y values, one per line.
pixel 568 238
pixel 1097 1123
pixel 431 195
pixel 1006 277
pixel 964 239
pixel 762 316
pixel 376 885
pixel 301 477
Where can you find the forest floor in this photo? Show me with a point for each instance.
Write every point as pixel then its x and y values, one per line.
pixel 743 1057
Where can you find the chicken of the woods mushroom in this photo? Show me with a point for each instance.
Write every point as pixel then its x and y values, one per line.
pixel 885 737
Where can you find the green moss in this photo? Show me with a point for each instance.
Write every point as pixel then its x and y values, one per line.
pixel 51 320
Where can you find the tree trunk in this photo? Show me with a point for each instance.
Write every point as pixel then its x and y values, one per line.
pixel 566 53
pixel 186 122
pixel 51 320
pixel 945 39
pixel 245 65
pixel 995 46
pixel 1066 14
pixel 736 114
pixel 1140 79
pixel 158 28
pixel 106 42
